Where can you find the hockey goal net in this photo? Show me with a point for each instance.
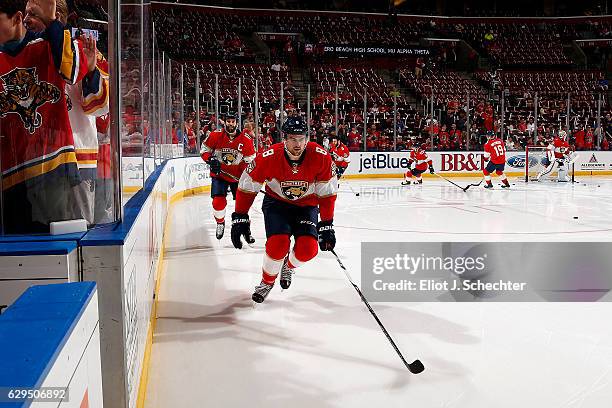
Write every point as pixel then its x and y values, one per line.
pixel 536 161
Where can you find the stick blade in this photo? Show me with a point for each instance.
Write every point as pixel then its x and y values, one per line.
pixel 416 367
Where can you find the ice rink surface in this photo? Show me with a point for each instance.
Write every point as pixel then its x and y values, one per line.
pixel 316 345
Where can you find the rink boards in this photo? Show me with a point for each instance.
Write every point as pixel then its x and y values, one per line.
pixel 395 164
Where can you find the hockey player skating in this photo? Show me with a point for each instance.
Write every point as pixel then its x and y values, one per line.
pixel 340 154
pixel 418 155
pixel 559 154
pixel 301 184
pixel 227 152
pixel 495 156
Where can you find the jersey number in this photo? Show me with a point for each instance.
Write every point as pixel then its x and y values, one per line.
pixel 322 151
pixel 267 153
pixel 499 149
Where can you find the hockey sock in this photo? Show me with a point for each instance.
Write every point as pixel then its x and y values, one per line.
pixel 503 178
pixel 219 203
pixel 305 248
pixel 277 247
pixel 408 175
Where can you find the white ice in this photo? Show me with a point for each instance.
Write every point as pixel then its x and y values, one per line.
pixel 316 345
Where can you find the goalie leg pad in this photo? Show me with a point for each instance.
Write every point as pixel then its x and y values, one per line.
pixel 547 170
pixel 562 176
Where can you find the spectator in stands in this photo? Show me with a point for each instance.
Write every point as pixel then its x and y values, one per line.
pixel 354 140
pixel 274 133
pixel 456 139
pixel 443 139
pixel 354 116
pixel 88 99
pixel 400 123
pixel 265 141
pixel 522 126
pixel 511 143
pixel 276 67
pixel 419 66
pixel 530 126
pixel 487 118
pixel 248 119
pixel 579 138
pixel 589 138
pixel 372 138
pixel 454 132
pixel 190 138
pixel 38 157
pixel 342 133
pixel 605 143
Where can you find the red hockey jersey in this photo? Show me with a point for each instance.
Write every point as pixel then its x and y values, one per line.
pixel 234 154
pixel 561 148
pixel 495 150
pixel 310 181
pixel 37 137
pixel 340 154
pixel 419 157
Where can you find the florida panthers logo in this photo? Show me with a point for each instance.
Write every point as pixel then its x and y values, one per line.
pixel 23 94
pixel 294 190
pixel 229 156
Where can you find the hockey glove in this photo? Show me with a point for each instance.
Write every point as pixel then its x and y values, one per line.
pixel 214 164
pixel 241 227
pixel 431 169
pixel 327 236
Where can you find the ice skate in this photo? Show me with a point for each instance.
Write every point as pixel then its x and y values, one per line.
pixel 261 292
pixel 286 275
pixel 220 230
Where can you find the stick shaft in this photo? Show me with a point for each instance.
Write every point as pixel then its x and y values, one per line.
pixel 453 183
pixel 364 300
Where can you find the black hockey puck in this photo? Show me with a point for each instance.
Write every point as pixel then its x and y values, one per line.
pixel 575 218
pixel 598 186
pixel 357 194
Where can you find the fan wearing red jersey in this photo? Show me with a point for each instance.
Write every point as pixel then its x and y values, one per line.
pixel 227 152
pixel 341 156
pixel 418 155
pixel 559 153
pixel 37 148
pixel 301 184
pixel 495 156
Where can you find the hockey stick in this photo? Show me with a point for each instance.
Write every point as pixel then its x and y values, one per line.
pixel 453 183
pixel 352 190
pixel 473 184
pixel 225 173
pixel 416 366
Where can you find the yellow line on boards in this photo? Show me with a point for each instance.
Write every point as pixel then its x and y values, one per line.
pixel 144 375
